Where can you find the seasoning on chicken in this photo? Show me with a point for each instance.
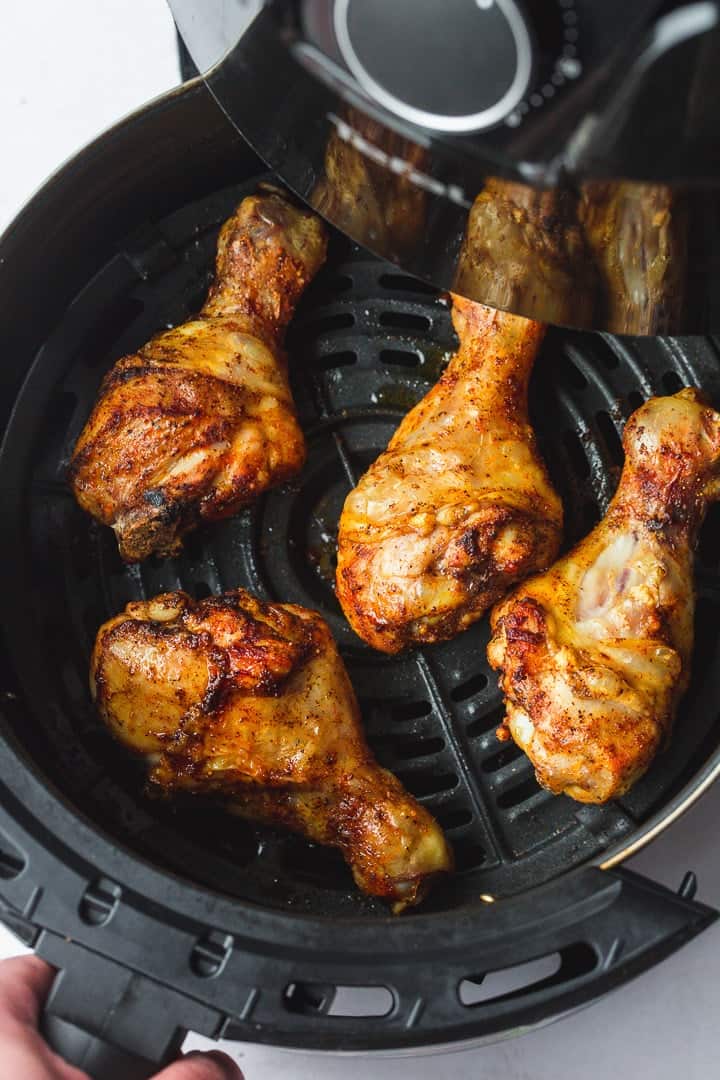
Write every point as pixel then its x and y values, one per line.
pixel 250 702
pixel 459 507
pixel 200 420
pixel 594 655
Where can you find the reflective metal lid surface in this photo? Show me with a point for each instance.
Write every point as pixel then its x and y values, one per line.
pixel 557 159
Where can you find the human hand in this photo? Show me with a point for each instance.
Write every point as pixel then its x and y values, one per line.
pixel 24 985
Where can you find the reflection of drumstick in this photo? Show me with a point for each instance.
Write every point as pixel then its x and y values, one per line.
pixel 636 233
pixel 613 257
pixel 377 206
pixel 524 252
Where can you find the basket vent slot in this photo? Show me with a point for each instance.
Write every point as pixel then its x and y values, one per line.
pixel 519 794
pixel 509 753
pixel 454 819
pixel 610 434
pixel 672 382
pixel 472 686
pixel 418 748
pixel 410 710
pixel 400 358
pixel 486 722
pixel 427 781
pixel 576 454
pixel 345 358
pixel 324 999
pixel 570 373
pixel 405 320
pixel 610 358
pixel 507 983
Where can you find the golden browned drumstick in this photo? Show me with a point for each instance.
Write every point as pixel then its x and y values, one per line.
pixel 594 655
pixel 250 702
pixel 200 420
pixel 459 507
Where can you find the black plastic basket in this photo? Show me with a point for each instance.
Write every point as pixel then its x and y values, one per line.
pixel 168 917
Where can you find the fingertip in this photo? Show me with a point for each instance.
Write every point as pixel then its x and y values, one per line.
pixel 28 966
pixel 231 1070
pixel 25 982
pixel 202 1065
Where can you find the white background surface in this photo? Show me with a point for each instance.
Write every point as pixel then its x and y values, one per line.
pixel 68 70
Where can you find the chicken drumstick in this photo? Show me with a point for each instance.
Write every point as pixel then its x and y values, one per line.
pixel 250 702
pixel 200 420
pixel 594 655
pixel 459 507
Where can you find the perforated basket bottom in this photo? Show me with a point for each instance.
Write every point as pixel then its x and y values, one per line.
pixel 366 345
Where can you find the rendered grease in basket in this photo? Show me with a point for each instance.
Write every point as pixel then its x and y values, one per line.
pixel 251 702
pixel 200 420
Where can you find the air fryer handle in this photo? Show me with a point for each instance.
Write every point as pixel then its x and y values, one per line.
pixel 111 1021
pixel 606 926
pixel 97 1057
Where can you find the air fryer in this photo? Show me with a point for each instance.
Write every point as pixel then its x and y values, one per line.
pixel 163 918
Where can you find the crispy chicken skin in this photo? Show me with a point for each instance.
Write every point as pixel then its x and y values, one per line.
pixel 200 420
pixel 250 702
pixel 459 507
pixel 594 655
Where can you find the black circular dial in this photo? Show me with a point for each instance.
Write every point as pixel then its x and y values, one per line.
pixel 458 67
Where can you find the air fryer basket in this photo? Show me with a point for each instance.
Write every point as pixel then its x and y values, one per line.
pixel 366 345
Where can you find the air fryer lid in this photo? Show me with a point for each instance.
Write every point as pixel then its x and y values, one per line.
pixel 176 915
pixel 586 126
